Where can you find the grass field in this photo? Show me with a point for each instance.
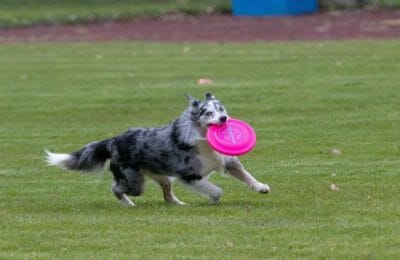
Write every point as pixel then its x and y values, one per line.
pixel 303 99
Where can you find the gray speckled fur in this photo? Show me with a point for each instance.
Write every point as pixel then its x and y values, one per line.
pixel 178 150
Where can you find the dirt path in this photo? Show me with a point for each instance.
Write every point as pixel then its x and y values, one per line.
pixel 174 28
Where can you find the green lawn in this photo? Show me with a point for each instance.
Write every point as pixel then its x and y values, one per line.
pixel 302 99
pixel 31 12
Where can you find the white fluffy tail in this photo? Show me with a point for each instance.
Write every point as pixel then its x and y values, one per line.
pixel 58 159
pixel 91 157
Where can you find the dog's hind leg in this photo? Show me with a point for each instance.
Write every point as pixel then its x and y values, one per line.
pixel 116 189
pixel 127 181
pixel 203 186
pixel 166 186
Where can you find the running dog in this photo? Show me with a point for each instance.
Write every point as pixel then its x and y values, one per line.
pixel 178 150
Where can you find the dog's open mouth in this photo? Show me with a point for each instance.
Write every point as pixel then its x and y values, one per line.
pixel 217 124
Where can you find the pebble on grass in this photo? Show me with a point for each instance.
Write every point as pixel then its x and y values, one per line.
pixel 334 187
pixel 335 152
pixel 205 81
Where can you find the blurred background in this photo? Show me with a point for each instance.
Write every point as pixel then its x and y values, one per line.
pixel 34 12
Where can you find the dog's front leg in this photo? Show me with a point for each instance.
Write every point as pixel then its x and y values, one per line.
pixel 237 170
pixel 203 186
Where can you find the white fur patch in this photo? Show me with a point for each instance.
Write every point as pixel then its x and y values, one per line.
pixel 210 160
pixel 58 159
pixel 126 202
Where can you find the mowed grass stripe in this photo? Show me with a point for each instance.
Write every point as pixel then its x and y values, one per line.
pixel 303 99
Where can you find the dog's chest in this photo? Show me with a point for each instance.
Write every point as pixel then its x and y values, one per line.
pixel 210 160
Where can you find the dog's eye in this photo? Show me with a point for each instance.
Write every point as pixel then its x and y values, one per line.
pixel 221 109
pixel 209 113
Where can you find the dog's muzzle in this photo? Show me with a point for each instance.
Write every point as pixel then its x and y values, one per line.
pixel 223 119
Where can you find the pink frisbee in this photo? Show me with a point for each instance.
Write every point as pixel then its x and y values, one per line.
pixel 235 137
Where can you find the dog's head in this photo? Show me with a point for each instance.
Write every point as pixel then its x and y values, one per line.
pixel 207 112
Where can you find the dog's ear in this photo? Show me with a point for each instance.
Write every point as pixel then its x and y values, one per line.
pixel 209 96
pixel 192 101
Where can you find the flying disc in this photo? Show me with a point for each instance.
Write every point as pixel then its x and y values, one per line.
pixel 235 137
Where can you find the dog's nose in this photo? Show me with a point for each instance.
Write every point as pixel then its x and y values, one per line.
pixel 223 119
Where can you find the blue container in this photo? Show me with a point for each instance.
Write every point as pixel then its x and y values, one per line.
pixel 273 7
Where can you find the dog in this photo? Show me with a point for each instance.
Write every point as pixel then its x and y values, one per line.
pixel 178 150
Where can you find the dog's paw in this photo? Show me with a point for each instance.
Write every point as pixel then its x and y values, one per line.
pixel 262 188
pixel 126 202
pixel 178 202
pixel 215 199
pixel 170 198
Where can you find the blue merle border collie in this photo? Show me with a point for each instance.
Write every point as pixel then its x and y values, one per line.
pixel 178 150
